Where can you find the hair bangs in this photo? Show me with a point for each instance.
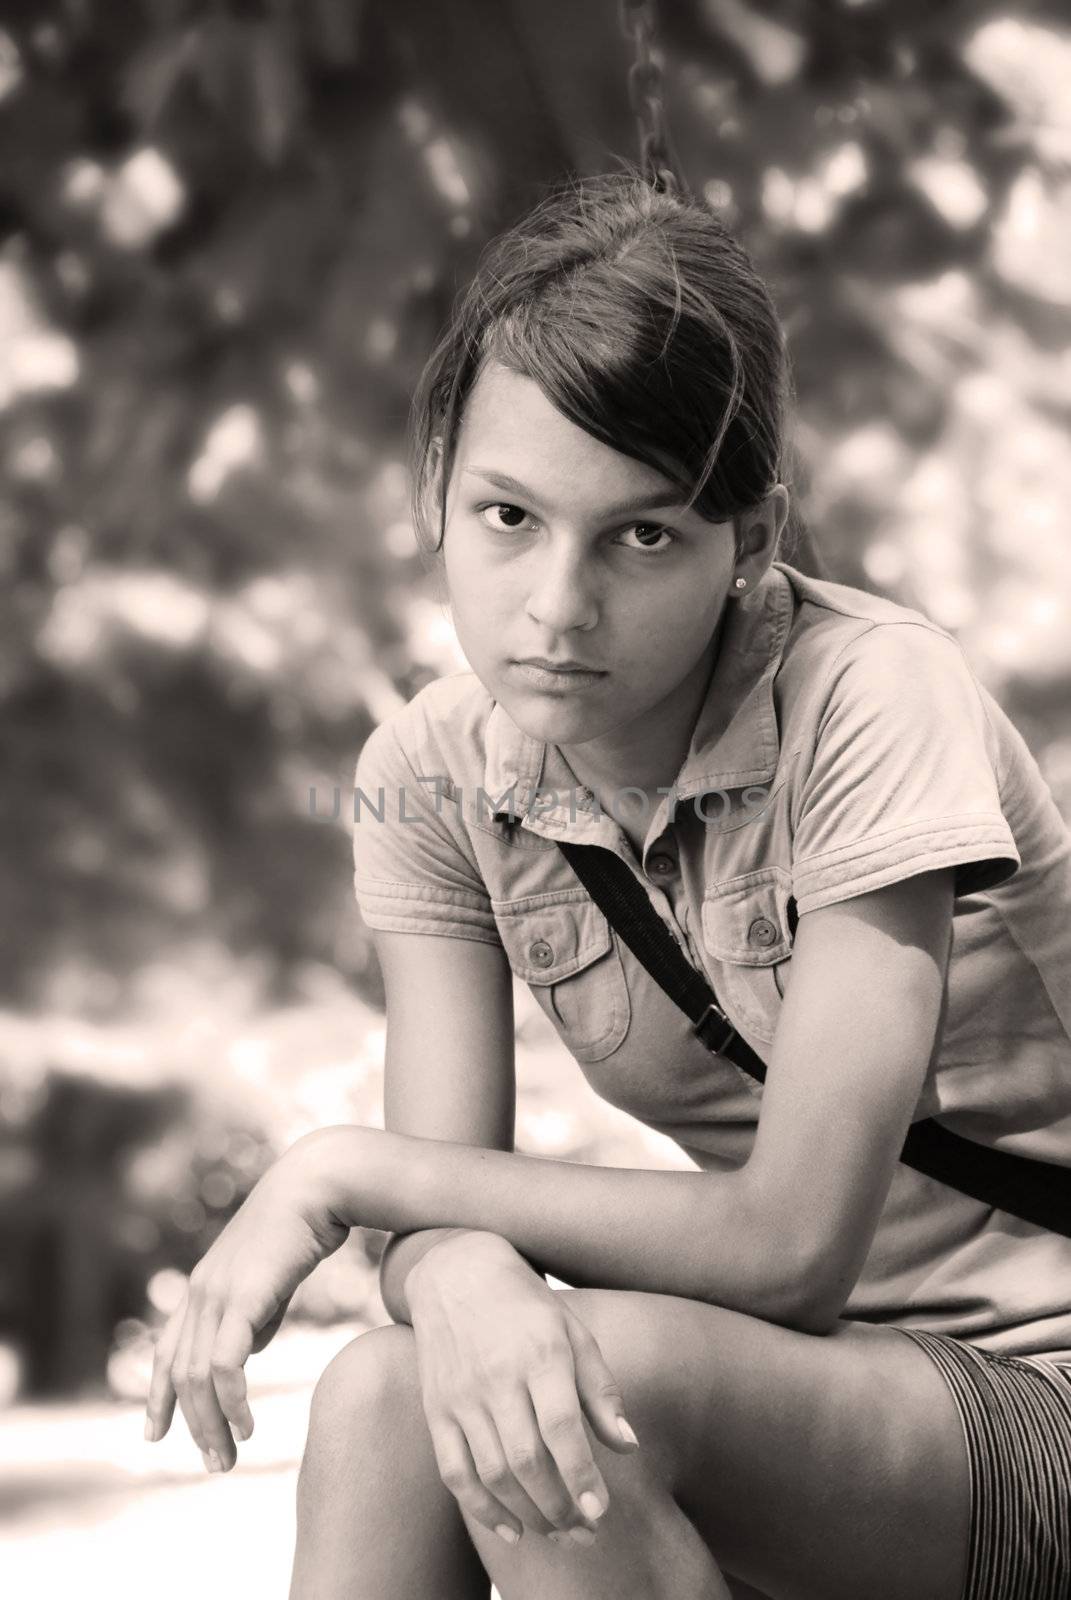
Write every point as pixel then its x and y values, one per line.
pixel 614 365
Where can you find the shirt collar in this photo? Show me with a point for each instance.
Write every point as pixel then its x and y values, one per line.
pixel 735 741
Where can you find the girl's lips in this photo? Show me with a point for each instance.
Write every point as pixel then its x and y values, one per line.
pixel 558 680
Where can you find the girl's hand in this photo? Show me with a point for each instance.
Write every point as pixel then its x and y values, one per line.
pixel 507 1372
pixel 237 1297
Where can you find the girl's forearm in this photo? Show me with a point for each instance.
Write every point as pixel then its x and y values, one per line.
pixel 694 1234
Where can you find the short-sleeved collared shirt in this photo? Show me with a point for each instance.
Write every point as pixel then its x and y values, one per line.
pixel 843 744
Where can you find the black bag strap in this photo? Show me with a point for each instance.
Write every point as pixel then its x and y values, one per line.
pixel 1037 1191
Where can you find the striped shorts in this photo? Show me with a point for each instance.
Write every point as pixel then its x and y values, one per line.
pixel 1016 1418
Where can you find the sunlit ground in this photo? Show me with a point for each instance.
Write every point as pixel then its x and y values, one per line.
pixel 87 1505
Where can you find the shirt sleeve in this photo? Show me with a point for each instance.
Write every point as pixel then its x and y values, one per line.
pixel 904 774
pixel 414 871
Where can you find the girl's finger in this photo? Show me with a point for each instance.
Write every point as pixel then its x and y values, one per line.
pixel 597 1388
pixel 160 1405
pixel 458 1472
pixel 561 1426
pixel 523 1460
pixel 181 1378
pixel 233 1347
pixel 218 1449
pixel 494 1471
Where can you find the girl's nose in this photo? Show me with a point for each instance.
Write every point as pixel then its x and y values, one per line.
pixel 561 597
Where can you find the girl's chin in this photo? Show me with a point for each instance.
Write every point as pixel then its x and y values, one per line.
pixel 554 721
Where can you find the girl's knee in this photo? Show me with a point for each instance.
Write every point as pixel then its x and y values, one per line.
pixel 367 1394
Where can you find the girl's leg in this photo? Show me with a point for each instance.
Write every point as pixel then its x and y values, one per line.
pixel 808 1468
pixel 812 1468
pixel 374 1520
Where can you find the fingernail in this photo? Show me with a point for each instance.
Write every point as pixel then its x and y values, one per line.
pixel 150 1430
pixel 504 1531
pixel 244 1430
pixel 626 1432
pixel 591 1506
pixel 582 1535
pixel 212 1461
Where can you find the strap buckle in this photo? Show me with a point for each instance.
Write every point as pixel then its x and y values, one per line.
pixel 714 1029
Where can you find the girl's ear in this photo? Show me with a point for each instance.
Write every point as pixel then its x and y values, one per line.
pixel 758 533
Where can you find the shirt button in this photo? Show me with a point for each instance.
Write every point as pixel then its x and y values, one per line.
pixel 661 866
pixel 762 932
pixel 540 954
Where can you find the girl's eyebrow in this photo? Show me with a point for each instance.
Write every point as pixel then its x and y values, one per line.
pixel 652 502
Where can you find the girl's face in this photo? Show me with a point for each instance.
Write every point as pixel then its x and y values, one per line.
pixel 558 549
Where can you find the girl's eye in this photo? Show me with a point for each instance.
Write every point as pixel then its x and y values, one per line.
pixel 648 535
pixel 512 516
pixel 504 517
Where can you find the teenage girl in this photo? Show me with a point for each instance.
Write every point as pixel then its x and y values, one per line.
pixel 804 1370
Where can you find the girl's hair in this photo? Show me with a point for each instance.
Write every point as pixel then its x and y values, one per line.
pixel 643 321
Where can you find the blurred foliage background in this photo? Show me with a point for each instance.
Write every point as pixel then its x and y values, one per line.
pixel 230 230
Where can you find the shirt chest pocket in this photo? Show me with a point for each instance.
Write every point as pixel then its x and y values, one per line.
pixel 747 929
pixel 561 945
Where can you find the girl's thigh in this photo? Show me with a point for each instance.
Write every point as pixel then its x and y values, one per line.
pixel 814 1467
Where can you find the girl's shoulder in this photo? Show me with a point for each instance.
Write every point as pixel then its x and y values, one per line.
pixel 843 611
pixel 841 639
pixel 440 733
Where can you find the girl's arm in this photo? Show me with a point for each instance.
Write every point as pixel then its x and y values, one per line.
pixel 782 1238
pixel 785 1236
pixel 449 1067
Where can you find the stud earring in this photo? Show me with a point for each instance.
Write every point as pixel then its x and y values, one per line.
pixel 741 583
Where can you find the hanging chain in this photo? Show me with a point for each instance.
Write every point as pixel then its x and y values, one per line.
pixel 639 24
